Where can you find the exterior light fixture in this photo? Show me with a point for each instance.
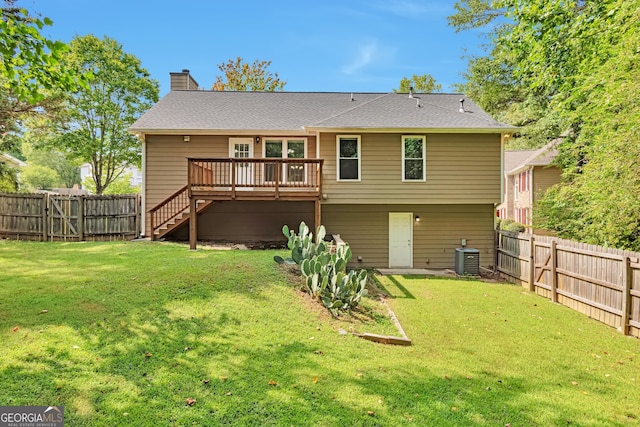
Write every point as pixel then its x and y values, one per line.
pixel 257 140
pixel 417 218
pixel 186 138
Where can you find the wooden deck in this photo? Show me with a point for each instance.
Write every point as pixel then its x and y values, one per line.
pixel 255 179
pixel 224 179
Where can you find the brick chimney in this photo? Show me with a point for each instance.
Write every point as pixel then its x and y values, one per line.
pixel 183 81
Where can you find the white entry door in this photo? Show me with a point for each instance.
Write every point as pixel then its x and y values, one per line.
pixel 400 240
pixel 242 148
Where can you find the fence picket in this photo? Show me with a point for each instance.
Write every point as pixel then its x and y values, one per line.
pixel 53 217
pixel 600 282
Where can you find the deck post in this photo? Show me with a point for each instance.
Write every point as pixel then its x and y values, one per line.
pixel 317 213
pixel 278 166
pixel 193 227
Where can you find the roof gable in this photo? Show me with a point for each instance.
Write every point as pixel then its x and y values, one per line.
pixel 514 161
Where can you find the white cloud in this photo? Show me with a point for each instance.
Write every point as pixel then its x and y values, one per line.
pixel 366 55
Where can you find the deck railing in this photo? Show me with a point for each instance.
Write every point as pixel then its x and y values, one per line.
pixel 274 176
pixel 169 209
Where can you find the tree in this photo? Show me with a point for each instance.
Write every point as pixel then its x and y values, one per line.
pixel 424 83
pixel 570 67
pixel 240 76
pixel 38 153
pixel 94 130
pixel 121 185
pixel 30 62
pixel 8 179
pixel 29 70
pixel 39 177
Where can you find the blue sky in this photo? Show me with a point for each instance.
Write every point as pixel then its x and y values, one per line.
pixel 322 45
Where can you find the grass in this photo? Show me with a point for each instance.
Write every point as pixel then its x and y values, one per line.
pixel 125 333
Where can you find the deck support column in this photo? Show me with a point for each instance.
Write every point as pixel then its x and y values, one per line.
pixel 317 213
pixel 193 226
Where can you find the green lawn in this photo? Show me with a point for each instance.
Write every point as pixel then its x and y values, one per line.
pixel 124 333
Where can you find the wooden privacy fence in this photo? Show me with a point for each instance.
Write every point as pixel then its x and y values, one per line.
pixel 603 283
pixel 45 217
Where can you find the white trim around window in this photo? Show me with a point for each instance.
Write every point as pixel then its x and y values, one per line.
pixel 416 161
pixel 339 159
pixel 286 172
pixel 285 144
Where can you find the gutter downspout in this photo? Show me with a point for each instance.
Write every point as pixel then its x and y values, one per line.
pixel 143 199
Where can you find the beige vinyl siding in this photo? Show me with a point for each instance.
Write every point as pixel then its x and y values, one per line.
pixel 248 221
pixel 543 178
pixel 460 168
pixel 435 237
pixel 166 161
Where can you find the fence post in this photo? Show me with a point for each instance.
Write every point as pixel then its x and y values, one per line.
pixel 80 223
pixel 496 244
pixel 45 219
pixel 138 217
pixel 626 294
pixel 532 263
pixel 554 274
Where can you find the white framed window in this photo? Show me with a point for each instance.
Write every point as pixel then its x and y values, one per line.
pixel 414 159
pixel 348 158
pixel 285 148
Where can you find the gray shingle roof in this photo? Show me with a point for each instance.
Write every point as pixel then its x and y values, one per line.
pixel 515 160
pixel 213 110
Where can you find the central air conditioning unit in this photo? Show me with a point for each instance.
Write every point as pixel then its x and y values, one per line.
pixel 467 261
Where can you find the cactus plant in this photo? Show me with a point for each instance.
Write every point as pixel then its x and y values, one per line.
pixel 326 277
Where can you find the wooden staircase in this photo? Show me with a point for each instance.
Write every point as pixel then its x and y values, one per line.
pixel 173 212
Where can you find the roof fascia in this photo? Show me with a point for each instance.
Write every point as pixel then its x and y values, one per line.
pixel 249 132
pixel 500 130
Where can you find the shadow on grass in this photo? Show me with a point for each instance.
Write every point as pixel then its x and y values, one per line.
pixel 403 291
pixel 129 349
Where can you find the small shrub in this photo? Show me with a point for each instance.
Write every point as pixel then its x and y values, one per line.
pixel 508 224
pixel 505 223
pixel 515 227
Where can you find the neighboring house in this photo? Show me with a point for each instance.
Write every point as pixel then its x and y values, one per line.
pixel 13 162
pixel 527 175
pixel 402 178
pixel 86 171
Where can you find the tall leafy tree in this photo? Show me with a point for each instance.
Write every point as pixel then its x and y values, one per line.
pixel 242 76
pixel 569 67
pixel 94 130
pixel 424 83
pixel 30 70
pixel 30 62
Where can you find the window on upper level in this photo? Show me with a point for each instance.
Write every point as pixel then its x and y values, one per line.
pixel 413 158
pixel 348 157
pixel 524 181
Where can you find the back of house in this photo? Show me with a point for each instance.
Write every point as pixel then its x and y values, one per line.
pixel 405 179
